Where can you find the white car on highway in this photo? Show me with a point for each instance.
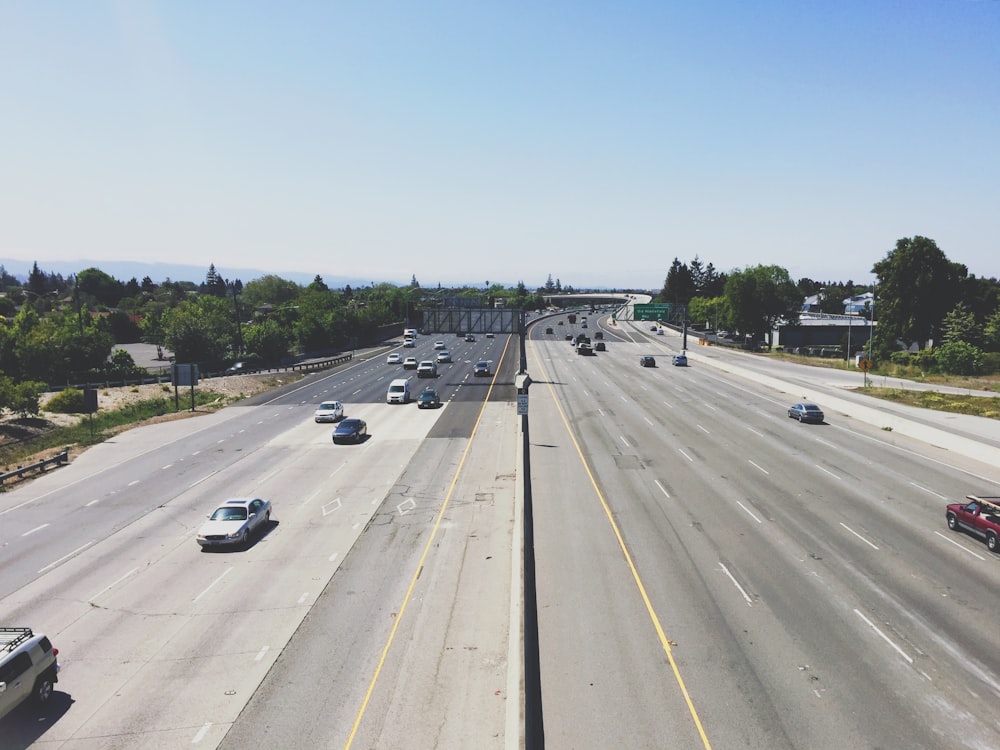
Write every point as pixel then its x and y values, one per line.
pixel 234 523
pixel 329 411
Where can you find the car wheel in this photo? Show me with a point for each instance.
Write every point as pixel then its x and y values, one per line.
pixel 992 544
pixel 952 522
pixel 245 539
pixel 42 691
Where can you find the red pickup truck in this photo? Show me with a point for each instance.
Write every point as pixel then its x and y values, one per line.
pixel 980 517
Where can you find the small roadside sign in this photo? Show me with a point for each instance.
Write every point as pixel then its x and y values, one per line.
pixel 522 404
pixel 864 364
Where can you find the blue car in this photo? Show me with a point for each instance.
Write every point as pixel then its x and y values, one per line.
pixel 806 412
pixel 350 431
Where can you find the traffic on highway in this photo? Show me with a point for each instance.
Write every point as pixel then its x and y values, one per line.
pixel 707 571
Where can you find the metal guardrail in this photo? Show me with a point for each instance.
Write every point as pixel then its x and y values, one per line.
pixel 60 459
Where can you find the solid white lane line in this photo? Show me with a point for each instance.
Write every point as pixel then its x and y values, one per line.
pixel 685 455
pixel 960 546
pixel 928 491
pixel 858 535
pixel 736 583
pixel 885 637
pixel 827 471
pixel 260 654
pixel 662 488
pixel 703 429
pixel 759 467
pixel 748 511
pixel 37 528
pixel 755 432
pixel 622 438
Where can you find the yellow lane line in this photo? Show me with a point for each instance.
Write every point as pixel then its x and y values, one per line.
pixel 664 641
pixel 423 556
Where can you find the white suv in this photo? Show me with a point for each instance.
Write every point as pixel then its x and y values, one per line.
pixel 28 668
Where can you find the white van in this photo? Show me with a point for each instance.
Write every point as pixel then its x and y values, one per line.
pixel 399 392
pixel 409 333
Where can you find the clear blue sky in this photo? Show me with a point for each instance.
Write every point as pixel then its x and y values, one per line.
pixel 501 141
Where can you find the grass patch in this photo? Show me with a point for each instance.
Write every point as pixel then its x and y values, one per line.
pixel 956 403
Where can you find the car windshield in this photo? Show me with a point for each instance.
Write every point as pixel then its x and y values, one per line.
pixel 811 407
pixel 348 424
pixel 328 406
pixel 230 514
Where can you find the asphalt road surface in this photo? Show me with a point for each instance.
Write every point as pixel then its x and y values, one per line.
pixel 710 573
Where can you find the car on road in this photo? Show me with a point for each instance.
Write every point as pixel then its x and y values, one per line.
pixel 469 337
pixel 428 399
pixel 559 323
pixel 443 357
pixel 481 369
pixel 680 360
pixel 241 368
pixel 647 361
pixel 569 337
pixel 427 369
pixel 394 359
pixel 235 522
pixel 329 411
pixel 548 330
pixel 350 431
pixel 600 347
pixel 409 343
pixel 490 335
pixel 806 412
pixel 653 328
pixel 439 345
pixel 29 667
pixel 659 331
pixel 410 363
pixel 981 518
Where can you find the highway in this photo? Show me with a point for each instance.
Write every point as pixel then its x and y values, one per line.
pixel 710 573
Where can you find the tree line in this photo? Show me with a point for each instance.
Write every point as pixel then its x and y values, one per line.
pixel 929 310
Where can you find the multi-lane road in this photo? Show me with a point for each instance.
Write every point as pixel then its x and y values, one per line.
pixel 709 572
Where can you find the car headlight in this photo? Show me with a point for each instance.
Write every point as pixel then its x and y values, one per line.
pixel 233 535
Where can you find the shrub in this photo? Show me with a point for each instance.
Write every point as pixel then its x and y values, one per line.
pixel 901 358
pixel 26 396
pixel 959 358
pixel 69 401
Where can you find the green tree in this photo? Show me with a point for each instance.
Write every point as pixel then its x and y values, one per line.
pixel 270 290
pixel 679 286
pixel 758 298
pixel 201 330
pixel 917 286
pixel 712 310
pixel 991 333
pixel 122 365
pixel 959 325
pixel 268 339
pixel 95 285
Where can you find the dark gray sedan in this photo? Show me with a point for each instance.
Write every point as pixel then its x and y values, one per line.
pixel 806 412
pixel 350 431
